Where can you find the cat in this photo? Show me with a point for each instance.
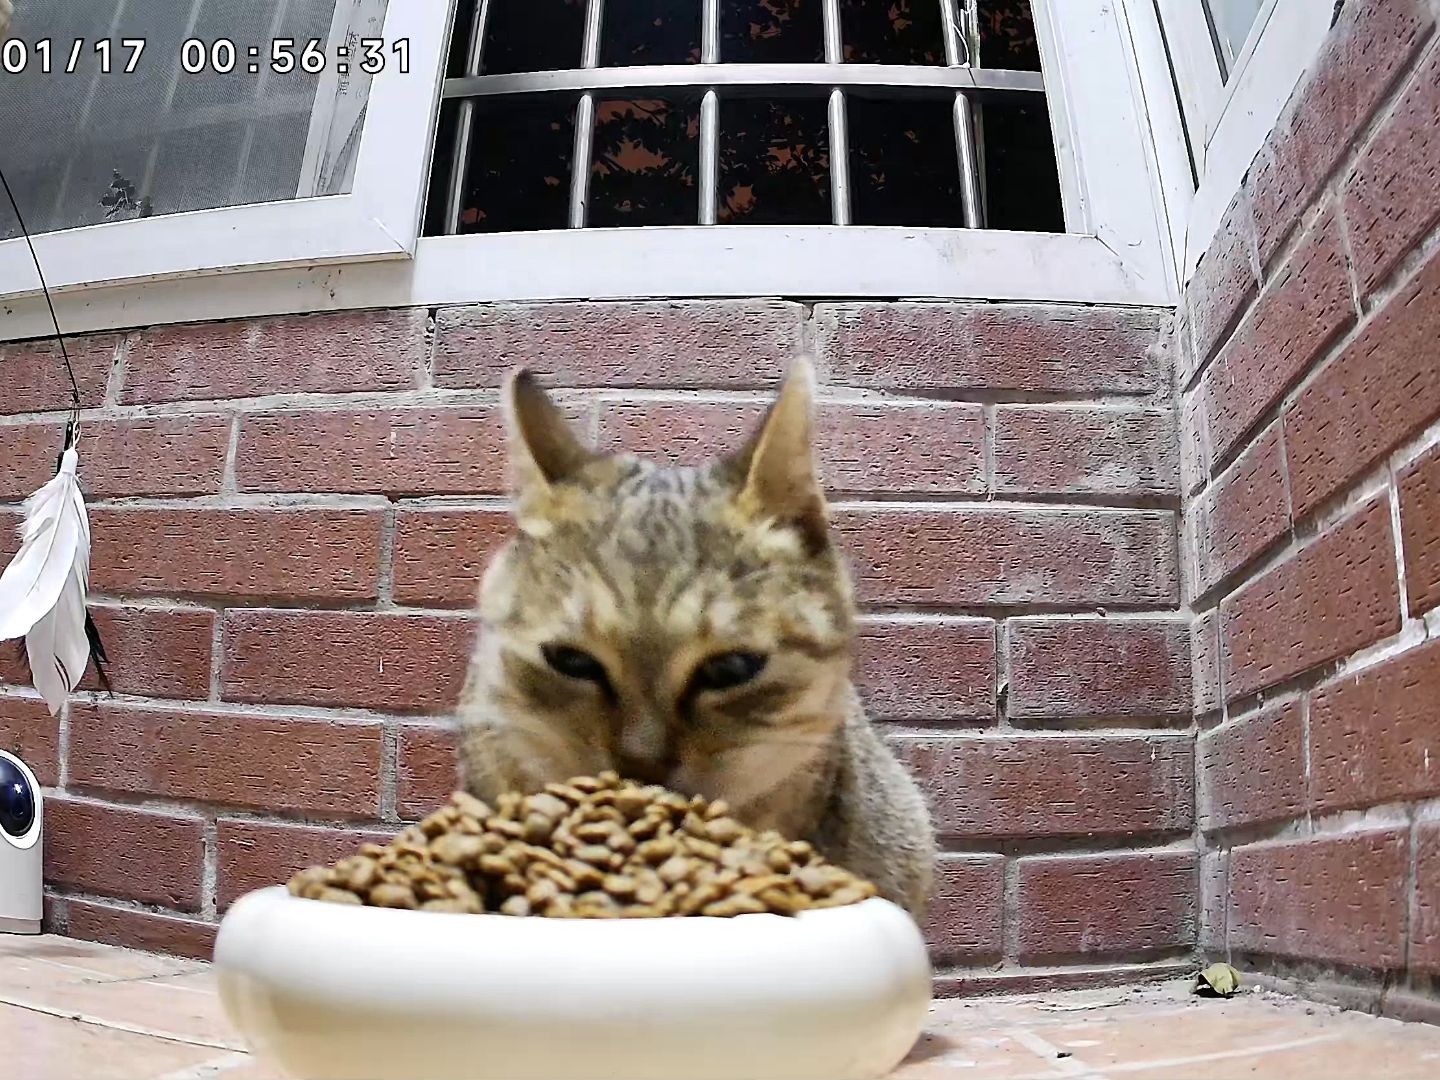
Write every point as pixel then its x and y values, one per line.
pixel 691 627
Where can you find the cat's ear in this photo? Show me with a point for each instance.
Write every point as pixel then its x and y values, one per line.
pixel 544 450
pixel 777 466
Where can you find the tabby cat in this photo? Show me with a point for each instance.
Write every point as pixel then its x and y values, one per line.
pixel 686 626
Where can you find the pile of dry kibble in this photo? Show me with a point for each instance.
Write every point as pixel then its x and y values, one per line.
pixel 593 848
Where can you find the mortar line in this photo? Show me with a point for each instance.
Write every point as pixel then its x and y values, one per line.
pixel 115 377
pixel 62 749
pixel 210 869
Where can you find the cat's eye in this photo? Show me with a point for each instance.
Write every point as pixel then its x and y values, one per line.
pixel 727 670
pixel 576 663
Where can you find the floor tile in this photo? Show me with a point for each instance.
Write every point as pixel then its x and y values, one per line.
pixel 40 1047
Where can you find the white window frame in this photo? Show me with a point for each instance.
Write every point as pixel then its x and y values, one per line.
pixel 363 249
pixel 379 218
pixel 1228 119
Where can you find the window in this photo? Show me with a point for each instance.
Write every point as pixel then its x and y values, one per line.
pixel 238 135
pixel 1235 64
pixel 1230 22
pixel 569 149
pixel 170 117
pixel 576 113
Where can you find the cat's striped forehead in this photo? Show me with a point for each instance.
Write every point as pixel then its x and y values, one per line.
pixel 639 551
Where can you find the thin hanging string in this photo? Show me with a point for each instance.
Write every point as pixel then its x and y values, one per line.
pixel 71 429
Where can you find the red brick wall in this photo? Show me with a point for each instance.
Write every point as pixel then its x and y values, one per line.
pixel 1309 376
pixel 291 515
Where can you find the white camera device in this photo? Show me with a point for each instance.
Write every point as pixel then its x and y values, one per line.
pixel 22 887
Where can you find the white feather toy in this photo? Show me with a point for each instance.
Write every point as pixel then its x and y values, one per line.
pixel 43 590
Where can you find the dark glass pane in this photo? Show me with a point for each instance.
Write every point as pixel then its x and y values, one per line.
pixel 440 165
pixel 533 35
pixel 892 31
pixel 650 32
pixel 647 157
pixel 774 162
pixel 1007 35
pixel 1021 181
pixel 903 168
pixel 772 32
pixel 460 39
pixel 519 165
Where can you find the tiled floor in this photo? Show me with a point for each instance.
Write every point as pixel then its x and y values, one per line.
pixel 71 1010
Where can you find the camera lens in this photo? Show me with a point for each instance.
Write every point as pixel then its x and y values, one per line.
pixel 17 801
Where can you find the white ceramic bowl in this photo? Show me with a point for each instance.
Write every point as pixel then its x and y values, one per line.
pixel 336 992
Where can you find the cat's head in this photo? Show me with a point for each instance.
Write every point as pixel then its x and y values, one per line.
pixel 683 625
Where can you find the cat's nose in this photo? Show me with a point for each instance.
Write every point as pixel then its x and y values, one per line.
pixel 647 770
pixel 646 748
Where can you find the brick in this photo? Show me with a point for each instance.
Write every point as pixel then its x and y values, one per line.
pixel 236 759
pixel 1072 906
pixel 33 378
pixel 1224 281
pixel 1376 394
pixel 1393 197
pixel 1370 44
pixel 9 536
pixel 426 771
pixel 153 652
pixel 123 852
pixel 169 456
pixel 389 452
pixel 968 984
pixel 295 554
pixel 350 352
pixel 1252 770
pixel 1305 305
pixel 1031 347
pixel 1047 785
pixel 149 931
pixel 1425 933
pixel 860 447
pixel 1205 662
pixel 1177 342
pixel 967 909
pixel 678 432
pixel 1099 668
pixel 1327 600
pixel 28 731
pixel 1242 514
pixel 1088 451
pixel 1011 557
pixel 932 670
pixel 1373 737
pixel 1334 898
pixel 440 555
pixel 254 854
pixel 705 343
pixel 923 449
pixel 369 660
pixel 1214 887
pixel 1419 489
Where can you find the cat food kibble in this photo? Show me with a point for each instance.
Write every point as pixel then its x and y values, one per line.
pixel 593 848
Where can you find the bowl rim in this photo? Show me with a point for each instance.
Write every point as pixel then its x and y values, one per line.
pixel 281 893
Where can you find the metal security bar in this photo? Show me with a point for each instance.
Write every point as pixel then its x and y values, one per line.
pixel 959 53
pixel 710 117
pixel 460 163
pixel 961 80
pixel 585 119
